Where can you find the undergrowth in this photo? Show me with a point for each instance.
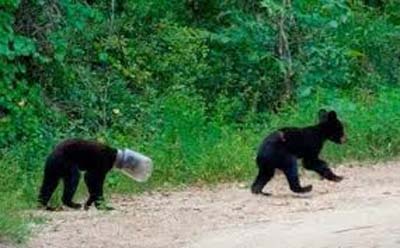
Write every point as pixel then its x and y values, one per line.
pixel 188 147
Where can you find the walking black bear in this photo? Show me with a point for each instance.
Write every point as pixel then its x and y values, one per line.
pixel 281 149
pixel 75 155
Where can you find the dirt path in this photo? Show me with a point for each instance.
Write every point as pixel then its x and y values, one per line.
pixel 362 211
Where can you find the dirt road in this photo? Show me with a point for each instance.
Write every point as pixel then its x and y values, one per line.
pixel 361 211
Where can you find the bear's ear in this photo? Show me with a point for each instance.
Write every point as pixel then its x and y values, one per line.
pixel 332 115
pixel 322 114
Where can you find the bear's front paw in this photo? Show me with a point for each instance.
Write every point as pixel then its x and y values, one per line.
pixel 256 189
pixel 337 179
pixel 306 189
pixel 301 190
pixel 73 205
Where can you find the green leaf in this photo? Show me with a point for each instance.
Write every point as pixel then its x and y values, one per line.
pixel 23 46
pixel 103 57
pixel 333 24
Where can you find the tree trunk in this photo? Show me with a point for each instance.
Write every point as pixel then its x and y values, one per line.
pixel 284 49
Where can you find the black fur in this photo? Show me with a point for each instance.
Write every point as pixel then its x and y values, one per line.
pixel 281 149
pixel 65 163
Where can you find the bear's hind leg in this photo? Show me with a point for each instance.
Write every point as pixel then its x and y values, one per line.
pixel 261 180
pixel 71 181
pixel 265 173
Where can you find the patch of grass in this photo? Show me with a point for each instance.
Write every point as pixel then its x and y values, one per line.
pixel 190 147
pixel 13 223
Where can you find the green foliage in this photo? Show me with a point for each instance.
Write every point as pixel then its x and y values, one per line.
pixel 349 49
pixel 12 200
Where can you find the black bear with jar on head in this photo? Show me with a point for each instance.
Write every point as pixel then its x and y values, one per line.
pixel 74 155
